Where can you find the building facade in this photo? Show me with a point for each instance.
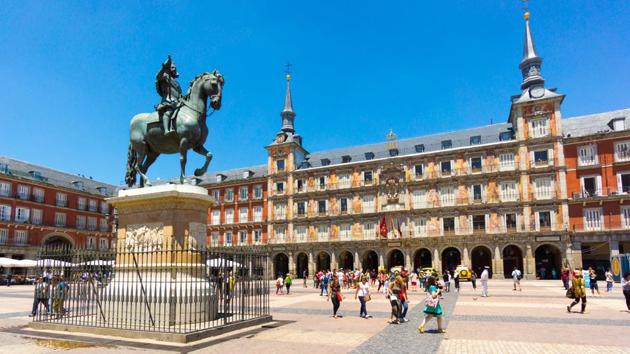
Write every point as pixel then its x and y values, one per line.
pixel 501 196
pixel 41 206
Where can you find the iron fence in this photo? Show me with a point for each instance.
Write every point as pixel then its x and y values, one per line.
pixel 159 290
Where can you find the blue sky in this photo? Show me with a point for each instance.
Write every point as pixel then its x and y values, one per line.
pixel 75 72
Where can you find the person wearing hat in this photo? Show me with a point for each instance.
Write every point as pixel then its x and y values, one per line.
pixel 484 281
pixel 579 290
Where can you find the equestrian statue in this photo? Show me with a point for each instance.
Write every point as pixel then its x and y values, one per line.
pixel 177 125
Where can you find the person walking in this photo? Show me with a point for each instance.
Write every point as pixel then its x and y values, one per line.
pixel 363 293
pixel 456 281
pixel 626 288
pixel 414 282
pixel 447 284
pixel 393 293
pixel 432 306
pixel 579 291
pixel 565 278
pixel 334 295
pixel 404 302
pixel 593 275
pixel 9 278
pixel 40 296
pixel 305 277
pixel 609 281
pixel 323 284
pixel 287 282
pixel 279 284
pixel 484 281
pixel 516 277
pixel 473 280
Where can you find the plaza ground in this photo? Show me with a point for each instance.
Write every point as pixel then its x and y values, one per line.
pixel 532 321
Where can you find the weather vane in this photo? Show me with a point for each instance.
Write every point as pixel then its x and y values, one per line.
pixel 525 8
pixel 288 71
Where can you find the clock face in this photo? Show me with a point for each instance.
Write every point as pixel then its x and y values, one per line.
pixel 537 91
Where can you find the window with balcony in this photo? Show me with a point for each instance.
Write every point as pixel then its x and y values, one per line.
pixel 419 171
pixel 508 191
pixel 368 203
pixel 214 239
pixel 228 238
pixel 23 192
pixel 510 221
pixel 257 237
pixel 215 217
pixel 299 231
pixel 280 187
pixel 80 222
pixel 543 220
pixel 448 224
pixel 445 168
pixel 4 236
pixel 81 203
pixel 280 165
pixel 103 225
pixel 475 164
pixel 321 207
pixel 592 219
pixel 62 199
pixel 229 216
pixel 258 212
pixel 91 223
pixel 447 195
pixel 506 161
pixel 541 157
pixel 321 182
pixel 623 182
pixel 258 191
pixel 5 189
pixel 280 211
pixel 479 222
pixel 587 155
pixel 343 205
pixel 60 219
pixel 242 214
pixel 477 193
pixel 38 195
pixel 242 193
pixel 539 127
pixel 300 208
pixel 625 216
pixel 419 198
pixel 343 180
pixel 91 243
pixel 5 213
pixel 229 195
pixel 299 185
pixel 543 188
pixel 369 231
pixel 22 214
pixel 21 237
pixel 104 208
pixel 37 216
pixel 242 237
pixel 92 205
pixel 216 194
pixel 103 244
pixel 420 227
pixel 622 151
pixel 591 186
pixel 322 232
pixel 367 177
pixel 345 232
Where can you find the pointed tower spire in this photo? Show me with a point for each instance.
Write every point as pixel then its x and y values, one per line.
pixel 531 62
pixel 287 113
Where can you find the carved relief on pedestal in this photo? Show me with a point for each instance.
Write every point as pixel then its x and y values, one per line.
pixel 196 236
pixel 144 237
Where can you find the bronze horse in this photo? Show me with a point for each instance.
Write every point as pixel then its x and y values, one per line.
pixel 146 134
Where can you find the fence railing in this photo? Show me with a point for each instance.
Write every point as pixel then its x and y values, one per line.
pixel 151 289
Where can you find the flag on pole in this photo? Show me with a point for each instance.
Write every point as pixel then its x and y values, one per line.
pixel 382 228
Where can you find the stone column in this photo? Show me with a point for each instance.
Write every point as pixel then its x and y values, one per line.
pixel 292 265
pixel 437 264
pixel 333 260
pixel 311 265
pixel 465 257
pixel 574 254
pixel 529 262
pixel 497 267
pixel 357 261
pixel 381 262
pixel 408 264
pixel 614 248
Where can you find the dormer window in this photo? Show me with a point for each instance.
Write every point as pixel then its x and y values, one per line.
pixel 393 152
pixel 4 167
pixel 369 155
pixel 475 140
pixel 617 124
pixel 447 144
pixel 35 174
pixel 346 158
pixel 102 190
pixel 79 184
pixel 325 162
pixel 505 136
pixel 419 148
pixel 221 177
pixel 248 174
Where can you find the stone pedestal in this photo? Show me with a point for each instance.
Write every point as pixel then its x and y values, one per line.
pixel 160 230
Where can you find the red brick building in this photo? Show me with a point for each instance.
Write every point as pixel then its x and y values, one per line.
pixel 597 155
pixel 41 206
pixel 239 219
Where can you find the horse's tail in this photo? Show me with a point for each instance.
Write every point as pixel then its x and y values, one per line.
pixel 130 176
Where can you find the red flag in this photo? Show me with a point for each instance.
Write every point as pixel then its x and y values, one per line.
pixel 382 228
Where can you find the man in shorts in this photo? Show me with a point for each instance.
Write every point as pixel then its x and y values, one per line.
pixel 516 276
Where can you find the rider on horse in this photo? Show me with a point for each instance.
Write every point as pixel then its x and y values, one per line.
pixel 168 88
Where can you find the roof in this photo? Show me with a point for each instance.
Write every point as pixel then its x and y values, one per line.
pixel 458 139
pixel 234 174
pixel 593 123
pixel 42 174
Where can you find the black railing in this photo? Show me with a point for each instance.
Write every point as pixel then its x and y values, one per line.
pixel 151 289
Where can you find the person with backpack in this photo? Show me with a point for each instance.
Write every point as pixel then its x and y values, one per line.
pixel 577 291
pixel 432 306
pixel 334 295
pixel 516 277
pixel 287 282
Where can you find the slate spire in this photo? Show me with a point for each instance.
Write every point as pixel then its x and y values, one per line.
pixel 287 113
pixel 531 62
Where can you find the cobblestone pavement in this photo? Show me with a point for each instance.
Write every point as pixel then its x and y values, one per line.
pixel 532 321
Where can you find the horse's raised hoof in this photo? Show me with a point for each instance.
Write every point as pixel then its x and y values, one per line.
pixel 199 172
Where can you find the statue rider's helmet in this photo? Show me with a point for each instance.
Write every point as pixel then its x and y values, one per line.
pixel 174 72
